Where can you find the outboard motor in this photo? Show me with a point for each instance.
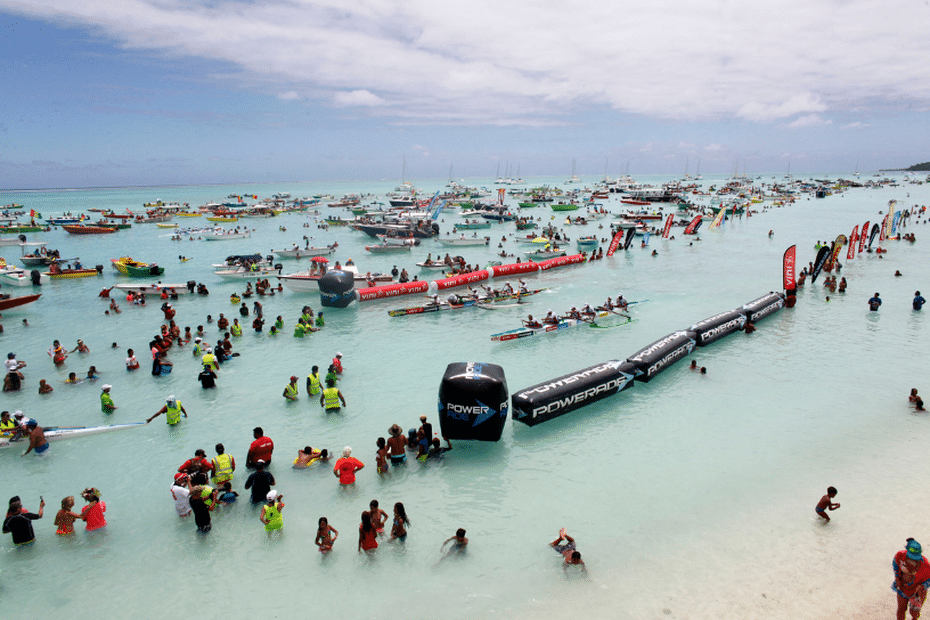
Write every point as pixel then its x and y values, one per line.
pixel 99 269
pixel 190 285
pixel 269 258
pixel 36 277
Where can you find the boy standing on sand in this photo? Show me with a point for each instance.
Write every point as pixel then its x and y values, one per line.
pixel 826 504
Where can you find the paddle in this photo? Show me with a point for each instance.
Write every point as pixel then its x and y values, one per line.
pixel 611 310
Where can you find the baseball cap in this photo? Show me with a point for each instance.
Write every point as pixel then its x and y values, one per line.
pixel 338 354
pixel 272 495
pixel 913 549
pixel 106 386
pixel 179 477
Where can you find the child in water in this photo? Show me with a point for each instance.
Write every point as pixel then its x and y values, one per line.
pixel 326 535
pixel 826 503
pixel 65 518
pixel 228 496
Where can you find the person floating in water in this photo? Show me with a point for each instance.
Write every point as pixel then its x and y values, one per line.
pixel 569 552
pixel 826 503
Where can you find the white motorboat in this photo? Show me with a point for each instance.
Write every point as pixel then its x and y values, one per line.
pixel 465 241
pixel 305 252
pixel 17 276
pixel 243 273
pixel 227 236
pixel 54 433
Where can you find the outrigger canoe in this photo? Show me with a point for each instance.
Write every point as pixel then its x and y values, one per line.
pixel 54 433
pixel 135 269
pixel 526 332
pixel 466 303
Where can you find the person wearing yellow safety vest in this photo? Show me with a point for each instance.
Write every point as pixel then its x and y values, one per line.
pixel 271 512
pixel 7 426
pixel 224 466
pixel 202 500
pixel 331 397
pixel 291 391
pixel 172 410
pixel 209 359
pixel 236 328
pixel 198 346
pixel 313 382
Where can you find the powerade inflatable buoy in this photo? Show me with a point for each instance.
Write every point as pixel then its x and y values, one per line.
pixel 473 401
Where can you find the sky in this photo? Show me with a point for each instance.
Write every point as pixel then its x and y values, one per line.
pixel 157 92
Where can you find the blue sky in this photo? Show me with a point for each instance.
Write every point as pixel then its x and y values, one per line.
pixel 211 91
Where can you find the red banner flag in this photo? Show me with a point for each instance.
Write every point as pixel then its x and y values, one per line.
pixel 615 242
pixel 668 226
pixel 865 233
pixel 853 237
pixel 789 264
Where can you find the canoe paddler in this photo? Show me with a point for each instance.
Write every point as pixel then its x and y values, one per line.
pixel 551 318
pixel 173 409
pixel 573 314
pixel 434 300
pixel 523 289
pixel 532 323
pixel 507 289
pixel 588 310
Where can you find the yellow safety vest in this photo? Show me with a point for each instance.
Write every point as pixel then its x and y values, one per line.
pixel 209 360
pixel 274 518
pixel 314 383
pixel 173 414
pixel 331 398
pixel 205 496
pixel 222 469
pixel 236 329
pixel 292 390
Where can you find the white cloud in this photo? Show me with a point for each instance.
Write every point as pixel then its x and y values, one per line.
pixel 715 148
pixel 289 96
pixel 359 97
pixel 856 125
pixel 809 120
pixel 420 61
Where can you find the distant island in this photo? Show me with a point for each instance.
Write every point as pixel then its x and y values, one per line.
pixel 924 167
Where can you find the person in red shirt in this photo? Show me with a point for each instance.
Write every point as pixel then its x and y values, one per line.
pixel 911 579
pixel 347 466
pixel 261 448
pixel 199 463
pixel 337 363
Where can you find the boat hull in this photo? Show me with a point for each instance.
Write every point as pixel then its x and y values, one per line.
pixel 16 302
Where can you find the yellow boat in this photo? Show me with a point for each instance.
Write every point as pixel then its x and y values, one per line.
pixel 184 214
pixel 220 218
pixel 167 225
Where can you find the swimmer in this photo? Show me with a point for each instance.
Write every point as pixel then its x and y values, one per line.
pixel 458 546
pixel 569 552
pixel 703 370
pixel 693 365
pixel 750 327
pixel 912 397
pixel 306 456
pixel 826 503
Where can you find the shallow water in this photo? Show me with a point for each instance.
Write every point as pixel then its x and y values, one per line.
pixel 690 497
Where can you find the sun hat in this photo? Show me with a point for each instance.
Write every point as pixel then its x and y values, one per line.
pixel 17 414
pixel 913 549
pixel 338 354
pixel 272 495
pixel 106 386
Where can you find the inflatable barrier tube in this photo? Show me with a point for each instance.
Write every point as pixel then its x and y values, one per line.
pixel 716 327
pixel 544 401
pixel 460 280
pixel 337 289
pixel 762 307
pixel 391 290
pixel 659 355
pixel 473 401
pixel 513 269
pixel 560 261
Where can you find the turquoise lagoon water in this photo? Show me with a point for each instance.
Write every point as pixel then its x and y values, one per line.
pixel 690 497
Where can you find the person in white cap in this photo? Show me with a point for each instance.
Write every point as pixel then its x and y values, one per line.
pixel 172 410
pixel 523 289
pixel 337 363
pixel 106 401
pixel 198 347
pixel 551 318
pixel 271 512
